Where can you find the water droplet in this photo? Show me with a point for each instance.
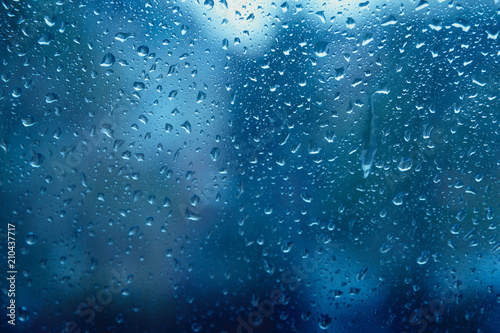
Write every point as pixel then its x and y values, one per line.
pixel 471 190
pixel 195 327
pixel 490 213
pixel 138 86
pixel 36 160
pixel 51 98
pixel 209 4
pixel 462 24
pixel 287 246
pixel 362 273
pixel 321 49
pixel 424 258
pixel 50 20
pixel 168 128
pixel 143 50
pixel 324 321
pixel 31 238
pixel 149 221
pixel 404 164
pixel 108 60
pixel 461 214
pixel 123 36
pixel 133 230
pixel 126 155
pixel 201 97
pixel 23 314
pixel 422 4
pixel 398 199
pixel 305 197
pixel 46 39
pixel 339 73
pixel 350 23
pixel 16 92
pixel 367 39
pixel 28 121
pixel 437 256
pixel 385 248
pixel 172 94
pixel 215 153
pixel 455 229
pixel 391 20
pixel 187 126
pixel 190 215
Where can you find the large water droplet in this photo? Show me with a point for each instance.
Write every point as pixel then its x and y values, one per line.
pixel 350 23
pixel 143 50
pixel 108 60
pixel 139 86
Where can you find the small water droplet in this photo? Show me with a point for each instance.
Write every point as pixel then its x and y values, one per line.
pixel 215 153
pixel 133 230
pixel 455 229
pixel 385 248
pixel 201 97
pixel 362 273
pixel 461 214
pixel 287 246
pixel 424 258
pixel 23 314
pixel 36 160
pixel 28 121
pixel 31 238
pixel 149 221
pixel 195 327
pixel 324 321
pixel 404 164
pixel 398 199
pixel 16 92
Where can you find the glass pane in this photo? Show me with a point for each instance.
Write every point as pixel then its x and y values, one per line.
pixel 250 166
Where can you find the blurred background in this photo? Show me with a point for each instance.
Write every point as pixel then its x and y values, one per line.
pixel 196 166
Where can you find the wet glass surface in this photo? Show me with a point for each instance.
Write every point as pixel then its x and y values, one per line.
pixel 251 166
